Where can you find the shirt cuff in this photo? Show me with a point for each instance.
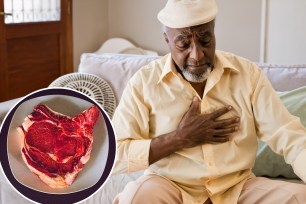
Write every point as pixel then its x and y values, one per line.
pixel 299 165
pixel 138 158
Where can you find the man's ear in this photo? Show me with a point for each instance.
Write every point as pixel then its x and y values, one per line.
pixel 166 38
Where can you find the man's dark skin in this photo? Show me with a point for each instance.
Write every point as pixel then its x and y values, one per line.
pixel 193 48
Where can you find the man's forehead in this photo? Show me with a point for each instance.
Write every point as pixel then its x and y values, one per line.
pixel 189 32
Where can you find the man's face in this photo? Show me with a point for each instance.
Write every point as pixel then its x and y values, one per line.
pixel 193 50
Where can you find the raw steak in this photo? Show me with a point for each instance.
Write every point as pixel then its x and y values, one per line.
pixel 54 146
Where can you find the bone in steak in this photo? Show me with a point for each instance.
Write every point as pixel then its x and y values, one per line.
pixel 54 146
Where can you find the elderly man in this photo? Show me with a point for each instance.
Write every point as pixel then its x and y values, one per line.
pixel 193 117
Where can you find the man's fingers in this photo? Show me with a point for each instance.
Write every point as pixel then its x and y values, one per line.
pixel 226 122
pixel 225 131
pixel 195 105
pixel 219 112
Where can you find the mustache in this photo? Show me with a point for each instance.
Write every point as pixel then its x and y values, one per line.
pixel 198 63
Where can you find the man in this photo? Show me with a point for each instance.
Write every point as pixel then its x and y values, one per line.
pixel 193 117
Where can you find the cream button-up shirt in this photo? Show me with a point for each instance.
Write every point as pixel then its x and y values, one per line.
pixel 157 97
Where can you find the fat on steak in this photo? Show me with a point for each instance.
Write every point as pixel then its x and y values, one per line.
pixel 54 146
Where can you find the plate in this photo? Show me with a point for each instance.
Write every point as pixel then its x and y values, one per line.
pixel 95 171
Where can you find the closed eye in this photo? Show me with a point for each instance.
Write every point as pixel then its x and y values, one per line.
pixel 182 45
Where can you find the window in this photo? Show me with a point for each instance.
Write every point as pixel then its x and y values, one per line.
pixel 25 11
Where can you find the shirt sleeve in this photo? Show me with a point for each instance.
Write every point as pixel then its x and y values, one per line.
pixel 283 132
pixel 131 124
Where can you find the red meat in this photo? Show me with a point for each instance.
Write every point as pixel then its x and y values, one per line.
pixel 54 146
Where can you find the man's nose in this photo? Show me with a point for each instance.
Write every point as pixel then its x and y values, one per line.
pixel 196 52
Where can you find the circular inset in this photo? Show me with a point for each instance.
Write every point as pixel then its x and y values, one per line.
pixel 90 178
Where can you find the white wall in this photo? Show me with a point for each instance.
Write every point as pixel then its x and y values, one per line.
pixel 286 31
pixel 136 21
pixel 237 27
pixel 90 26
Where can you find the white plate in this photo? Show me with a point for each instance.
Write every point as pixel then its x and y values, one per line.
pixel 67 105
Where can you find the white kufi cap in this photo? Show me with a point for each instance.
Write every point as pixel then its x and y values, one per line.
pixel 187 13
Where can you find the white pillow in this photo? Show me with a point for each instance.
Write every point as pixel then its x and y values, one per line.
pixel 116 69
pixel 285 77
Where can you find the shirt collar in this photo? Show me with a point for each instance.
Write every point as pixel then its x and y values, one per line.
pixel 223 62
pixel 168 68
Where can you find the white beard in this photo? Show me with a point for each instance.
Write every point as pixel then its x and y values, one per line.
pixel 194 77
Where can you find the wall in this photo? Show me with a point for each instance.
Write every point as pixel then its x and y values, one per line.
pixel 286 31
pixel 90 26
pixel 136 21
pixel 237 27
